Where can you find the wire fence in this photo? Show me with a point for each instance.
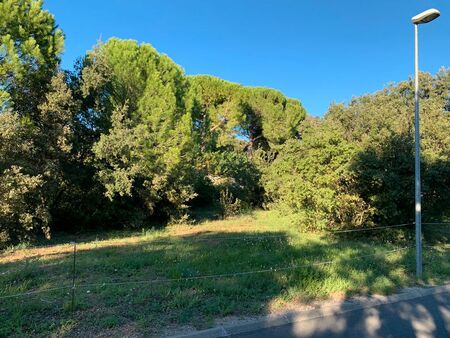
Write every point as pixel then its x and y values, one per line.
pixel 370 229
pixel 34 292
pixel 68 252
pixel 211 276
pixel 75 286
pixel 207 239
pixel 224 238
pixel 201 239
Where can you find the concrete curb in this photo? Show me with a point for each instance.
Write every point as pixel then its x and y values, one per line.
pixel 321 311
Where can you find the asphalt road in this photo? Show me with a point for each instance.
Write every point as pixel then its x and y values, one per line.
pixel 427 316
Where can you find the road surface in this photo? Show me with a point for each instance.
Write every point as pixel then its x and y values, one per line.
pixel 427 316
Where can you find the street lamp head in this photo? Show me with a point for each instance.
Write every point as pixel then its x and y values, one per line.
pixel 425 17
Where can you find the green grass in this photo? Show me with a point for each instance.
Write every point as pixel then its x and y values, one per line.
pixel 259 241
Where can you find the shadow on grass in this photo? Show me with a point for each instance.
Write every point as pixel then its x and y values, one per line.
pixel 164 303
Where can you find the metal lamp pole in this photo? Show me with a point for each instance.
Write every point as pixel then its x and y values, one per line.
pixel 421 18
pixel 418 202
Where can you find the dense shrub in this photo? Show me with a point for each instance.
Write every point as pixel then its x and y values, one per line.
pixel 312 178
pixel 356 166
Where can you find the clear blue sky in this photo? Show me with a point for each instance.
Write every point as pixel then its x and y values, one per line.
pixel 318 51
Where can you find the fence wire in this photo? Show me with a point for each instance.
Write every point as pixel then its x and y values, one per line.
pixel 212 276
pixel 234 274
pixel 369 229
pixel 34 292
pixel 207 239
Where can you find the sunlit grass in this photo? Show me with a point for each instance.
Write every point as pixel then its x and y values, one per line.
pixel 254 242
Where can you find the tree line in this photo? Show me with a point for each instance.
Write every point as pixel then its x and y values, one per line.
pixel 126 138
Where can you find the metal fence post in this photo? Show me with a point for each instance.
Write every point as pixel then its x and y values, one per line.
pixel 73 274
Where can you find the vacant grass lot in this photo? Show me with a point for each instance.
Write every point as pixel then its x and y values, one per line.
pixel 134 283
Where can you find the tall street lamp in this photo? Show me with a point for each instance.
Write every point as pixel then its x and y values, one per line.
pixel 419 19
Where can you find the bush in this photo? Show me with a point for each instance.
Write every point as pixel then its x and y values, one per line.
pixel 22 208
pixel 313 179
pixel 229 205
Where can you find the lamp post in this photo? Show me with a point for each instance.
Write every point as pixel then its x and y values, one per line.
pixel 417 20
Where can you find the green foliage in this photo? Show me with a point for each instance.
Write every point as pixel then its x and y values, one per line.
pixel 271 118
pixel 229 205
pixel 45 140
pixel 172 138
pixel 382 125
pixel 230 123
pixel 229 180
pixel 33 123
pixel 33 153
pixel 147 151
pixel 224 111
pixel 311 178
pixel 22 210
pixel 356 167
pixel 30 49
pixel 216 109
pixel 235 172
pixel 127 138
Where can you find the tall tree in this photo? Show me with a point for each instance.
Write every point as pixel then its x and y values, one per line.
pixel 231 122
pixel 35 121
pixel 30 48
pixel 147 151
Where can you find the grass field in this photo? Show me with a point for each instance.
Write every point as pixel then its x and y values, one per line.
pixel 145 282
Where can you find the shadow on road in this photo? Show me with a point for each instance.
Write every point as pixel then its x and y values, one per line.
pixel 427 316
